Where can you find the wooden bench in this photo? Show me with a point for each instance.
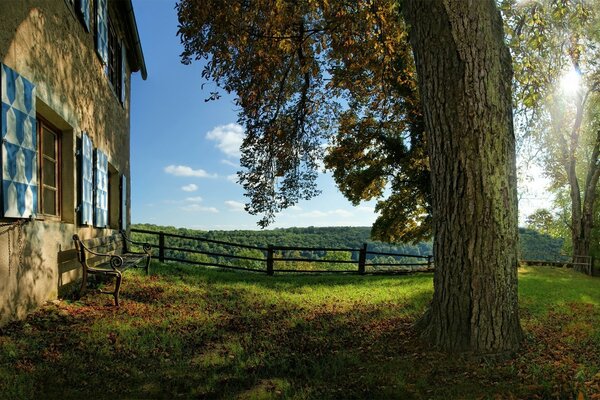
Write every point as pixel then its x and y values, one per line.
pixel 109 256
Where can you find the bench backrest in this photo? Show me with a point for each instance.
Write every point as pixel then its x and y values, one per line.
pixel 112 244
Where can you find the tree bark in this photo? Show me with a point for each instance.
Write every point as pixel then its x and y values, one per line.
pixel 465 72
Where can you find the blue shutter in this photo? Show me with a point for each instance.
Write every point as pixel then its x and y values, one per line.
pixel 19 145
pixel 101 189
pixel 86 207
pixel 123 71
pixel 83 6
pixel 102 30
pixel 123 202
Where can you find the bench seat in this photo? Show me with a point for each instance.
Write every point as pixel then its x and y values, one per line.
pixel 110 256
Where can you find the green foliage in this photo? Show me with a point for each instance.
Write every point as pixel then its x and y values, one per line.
pixel 541 246
pixel 546 39
pixel 309 73
pixel 541 220
pixel 191 332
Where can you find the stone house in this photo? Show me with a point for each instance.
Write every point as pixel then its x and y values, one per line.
pixel 65 67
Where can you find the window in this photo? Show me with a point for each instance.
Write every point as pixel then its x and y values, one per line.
pixel 113 67
pixel 49 173
pixel 110 50
pixel 102 30
pixel 101 189
pixel 86 180
pixel 113 197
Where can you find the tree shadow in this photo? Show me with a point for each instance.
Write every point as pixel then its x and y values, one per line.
pixel 243 346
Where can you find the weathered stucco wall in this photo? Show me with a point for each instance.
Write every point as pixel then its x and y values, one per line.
pixel 46 42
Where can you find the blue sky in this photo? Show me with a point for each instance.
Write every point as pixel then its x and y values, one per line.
pixel 185 151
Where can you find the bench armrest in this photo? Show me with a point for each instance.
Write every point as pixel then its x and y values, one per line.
pixel 115 260
pixel 145 246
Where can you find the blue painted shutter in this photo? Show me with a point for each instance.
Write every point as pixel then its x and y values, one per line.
pixel 123 202
pixel 19 145
pixel 123 71
pixel 83 6
pixel 86 207
pixel 102 30
pixel 101 189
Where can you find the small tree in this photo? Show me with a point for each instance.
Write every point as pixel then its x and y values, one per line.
pixel 556 50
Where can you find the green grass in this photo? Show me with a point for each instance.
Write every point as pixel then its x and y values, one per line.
pixel 191 332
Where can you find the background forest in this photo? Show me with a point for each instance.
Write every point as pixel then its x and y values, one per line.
pixel 534 245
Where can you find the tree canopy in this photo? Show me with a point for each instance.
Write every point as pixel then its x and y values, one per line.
pixel 315 77
pixel 312 72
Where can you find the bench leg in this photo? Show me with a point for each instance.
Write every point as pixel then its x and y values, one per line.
pixel 83 282
pixel 117 289
pixel 147 265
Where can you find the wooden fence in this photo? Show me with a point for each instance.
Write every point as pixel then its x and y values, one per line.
pixel 581 263
pixel 274 256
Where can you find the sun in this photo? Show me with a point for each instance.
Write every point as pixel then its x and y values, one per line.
pixel 570 82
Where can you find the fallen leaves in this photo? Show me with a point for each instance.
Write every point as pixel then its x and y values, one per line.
pixel 230 335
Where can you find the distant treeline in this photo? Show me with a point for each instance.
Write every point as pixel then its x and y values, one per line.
pixel 534 245
pixel 540 246
pixel 329 237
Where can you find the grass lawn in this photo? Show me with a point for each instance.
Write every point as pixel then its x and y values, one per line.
pixel 191 332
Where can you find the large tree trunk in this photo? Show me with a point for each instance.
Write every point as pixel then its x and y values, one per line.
pixel 465 73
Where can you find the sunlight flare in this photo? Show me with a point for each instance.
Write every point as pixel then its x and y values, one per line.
pixel 570 82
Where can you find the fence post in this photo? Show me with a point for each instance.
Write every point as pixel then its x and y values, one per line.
pixel 428 262
pixel 270 260
pixel 592 259
pixel 161 247
pixel 362 259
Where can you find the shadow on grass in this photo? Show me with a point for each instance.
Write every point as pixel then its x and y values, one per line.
pixel 234 346
pixel 192 332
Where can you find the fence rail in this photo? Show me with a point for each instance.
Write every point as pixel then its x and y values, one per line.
pixel 584 264
pixel 276 254
pixel 273 255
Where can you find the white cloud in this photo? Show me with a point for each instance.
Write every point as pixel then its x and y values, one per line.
pixel 322 214
pixel 314 214
pixel 230 163
pixel 190 188
pixel 196 199
pixel 198 207
pixel 366 209
pixel 342 213
pixel 232 178
pixel 228 137
pixel 234 205
pixel 184 170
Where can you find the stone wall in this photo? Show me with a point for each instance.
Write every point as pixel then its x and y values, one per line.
pixel 46 42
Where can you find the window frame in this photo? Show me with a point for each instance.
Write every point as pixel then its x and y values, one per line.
pixel 113 66
pixel 42 124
